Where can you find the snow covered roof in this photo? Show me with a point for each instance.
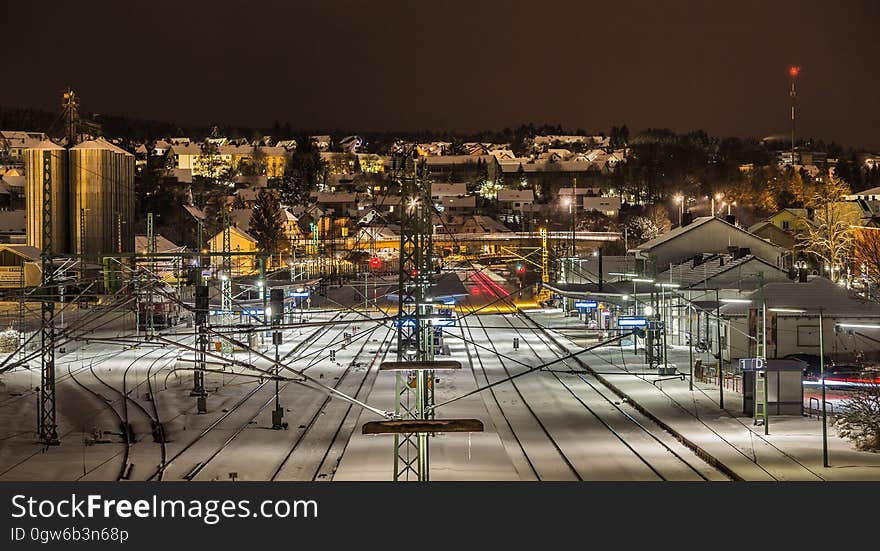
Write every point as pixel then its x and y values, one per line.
pixel 522 195
pixel 46 144
pixel 163 244
pixel 442 190
pixel 195 211
pixel 698 272
pixel 557 166
pixel 28 252
pixel 818 293
pixel 101 143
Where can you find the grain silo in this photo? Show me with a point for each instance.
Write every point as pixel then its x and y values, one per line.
pixel 101 199
pixel 47 161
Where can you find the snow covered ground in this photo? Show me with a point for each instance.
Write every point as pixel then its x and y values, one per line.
pixel 556 423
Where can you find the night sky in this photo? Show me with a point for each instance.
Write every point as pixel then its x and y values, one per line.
pixel 376 65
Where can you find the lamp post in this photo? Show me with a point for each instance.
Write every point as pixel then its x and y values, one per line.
pixel 679 200
pixel 822 377
pixel 716 197
pixel 793 72
pixel 718 335
pixel 573 207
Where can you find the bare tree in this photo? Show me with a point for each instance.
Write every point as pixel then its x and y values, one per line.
pixel 830 237
pixel 866 254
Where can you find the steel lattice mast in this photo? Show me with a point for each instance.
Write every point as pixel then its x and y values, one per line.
pixel 414 389
pixel 47 428
pixel 151 247
pixel 226 278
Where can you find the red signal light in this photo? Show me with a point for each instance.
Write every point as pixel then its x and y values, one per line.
pixel 375 262
pixel 794 70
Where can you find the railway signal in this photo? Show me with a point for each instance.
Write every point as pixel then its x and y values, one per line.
pixel 276 306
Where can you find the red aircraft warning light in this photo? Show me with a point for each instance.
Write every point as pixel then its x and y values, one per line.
pixel 794 70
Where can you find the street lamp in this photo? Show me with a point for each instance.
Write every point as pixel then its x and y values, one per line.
pixel 635 295
pixel 679 200
pixel 716 197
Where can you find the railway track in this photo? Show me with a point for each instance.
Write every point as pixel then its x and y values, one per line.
pixel 323 408
pixel 200 465
pixel 596 393
pixel 556 467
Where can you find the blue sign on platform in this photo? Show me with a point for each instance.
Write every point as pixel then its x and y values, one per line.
pixel 300 294
pixel 632 322
pixel 586 304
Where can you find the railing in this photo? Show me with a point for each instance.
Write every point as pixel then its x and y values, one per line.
pixel 818 409
pixel 731 381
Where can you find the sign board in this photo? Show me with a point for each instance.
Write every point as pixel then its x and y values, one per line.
pixel 632 322
pixel 300 294
pixel 751 364
pixel 586 304
pixel 444 322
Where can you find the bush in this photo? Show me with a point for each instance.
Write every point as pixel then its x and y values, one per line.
pixel 860 419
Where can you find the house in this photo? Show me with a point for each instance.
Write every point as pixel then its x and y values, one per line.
pixel 791 220
pixel 240 241
pixel 213 161
pixel 336 203
pixel 13 144
pixel 441 190
pixel 580 193
pixel 372 163
pixel 466 166
pixel 458 205
pixel 707 234
pixel 795 329
pixel 386 203
pixel 774 234
pixel 609 206
pixel 339 163
pixel 737 269
pixel 165 267
pixel 541 143
pixel 514 203
pixel 868 201
pixel 479 224
pixel 19 264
